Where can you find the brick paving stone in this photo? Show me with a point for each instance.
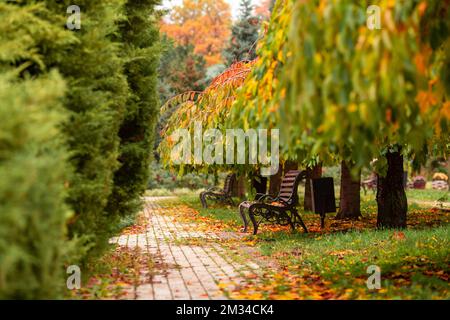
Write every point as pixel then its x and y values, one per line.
pixel 181 270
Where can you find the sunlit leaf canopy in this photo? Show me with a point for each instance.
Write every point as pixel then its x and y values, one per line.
pixel 257 103
pixel 210 107
pixel 336 87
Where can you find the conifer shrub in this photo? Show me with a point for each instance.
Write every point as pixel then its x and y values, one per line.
pixel 96 97
pixel 140 38
pixel 33 186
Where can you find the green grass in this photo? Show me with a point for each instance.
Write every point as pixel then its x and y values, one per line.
pixel 161 192
pixel 227 214
pixel 428 195
pixel 410 266
pixel 418 194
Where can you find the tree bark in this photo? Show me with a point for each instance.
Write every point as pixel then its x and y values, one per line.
pixel 311 173
pixel 290 165
pixel 391 196
pixel 259 183
pixel 349 207
pixel 275 181
pixel 240 186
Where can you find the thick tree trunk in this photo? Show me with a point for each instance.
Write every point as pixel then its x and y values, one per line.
pixel 349 207
pixel 311 173
pixel 275 181
pixel 240 186
pixel 391 196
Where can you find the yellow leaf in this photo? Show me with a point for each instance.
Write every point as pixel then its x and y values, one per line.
pixel 352 107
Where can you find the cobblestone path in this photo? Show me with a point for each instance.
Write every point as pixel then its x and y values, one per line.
pixel 186 263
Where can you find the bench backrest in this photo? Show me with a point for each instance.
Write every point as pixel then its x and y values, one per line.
pixel 229 182
pixel 289 185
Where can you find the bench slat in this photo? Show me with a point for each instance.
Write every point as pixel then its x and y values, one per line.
pixel 287 185
pixel 285 194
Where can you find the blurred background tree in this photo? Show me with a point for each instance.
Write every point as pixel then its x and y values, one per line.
pixel 180 69
pixel 244 35
pixel 205 24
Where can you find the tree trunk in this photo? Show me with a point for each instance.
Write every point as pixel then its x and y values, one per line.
pixel 259 183
pixel 391 196
pixel 275 181
pixel 239 190
pixel 311 173
pixel 349 207
pixel 290 165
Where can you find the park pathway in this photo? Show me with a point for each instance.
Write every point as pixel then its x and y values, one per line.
pixel 183 261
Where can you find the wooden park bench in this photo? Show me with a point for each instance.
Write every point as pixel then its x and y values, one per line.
pixel 280 209
pixel 217 194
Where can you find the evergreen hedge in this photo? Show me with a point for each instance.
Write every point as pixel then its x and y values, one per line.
pixel 96 96
pixel 75 141
pixel 33 212
pixel 33 240
pixel 140 36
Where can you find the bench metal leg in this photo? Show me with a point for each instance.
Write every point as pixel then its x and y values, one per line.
pixel 253 219
pixel 303 225
pixel 244 218
pixel 291 223
pixel 300 220
pixel 203 200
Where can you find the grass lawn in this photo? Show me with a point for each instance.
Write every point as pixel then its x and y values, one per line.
pixel 428 195
pixel 414 263
pixel 227 214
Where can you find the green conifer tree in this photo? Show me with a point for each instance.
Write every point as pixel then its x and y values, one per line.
pixel 140 37
pixel 244 34
pixel 96 97
pixel 33 213
pixel 180 70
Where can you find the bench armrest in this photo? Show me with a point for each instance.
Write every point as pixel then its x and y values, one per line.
pixel 214 189
pixel 263 196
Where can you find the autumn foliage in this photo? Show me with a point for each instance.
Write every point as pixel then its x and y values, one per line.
pixel 211 107
pixel 205 24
